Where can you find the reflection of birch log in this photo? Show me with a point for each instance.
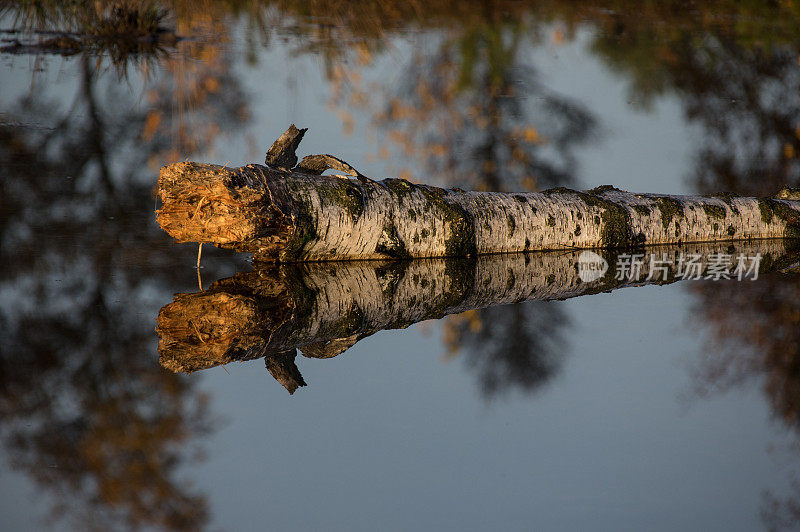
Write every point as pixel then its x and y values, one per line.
pixel 296 215
pixel 325 308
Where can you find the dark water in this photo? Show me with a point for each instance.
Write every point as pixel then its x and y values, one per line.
pixel 653 407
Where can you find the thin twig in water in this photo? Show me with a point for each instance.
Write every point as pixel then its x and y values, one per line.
pixel 199 254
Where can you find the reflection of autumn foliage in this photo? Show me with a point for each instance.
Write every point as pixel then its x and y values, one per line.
pixel 96 422
pixel 473 115
pixel 200 82
pixel 737 77
pixel 77 387
pixel 198 78
pixel 733 65
pixel 734 82
pixel 737 93
pixel 751 129
pixel 86 410
pixel 463 112
pixel 740 90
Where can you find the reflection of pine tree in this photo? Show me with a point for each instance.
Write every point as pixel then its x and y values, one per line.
pixel 87 412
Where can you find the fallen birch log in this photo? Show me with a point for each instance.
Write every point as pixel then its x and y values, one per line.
pixel 324 309
pixel 287 213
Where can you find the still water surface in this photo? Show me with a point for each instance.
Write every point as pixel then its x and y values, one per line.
pixel 653 407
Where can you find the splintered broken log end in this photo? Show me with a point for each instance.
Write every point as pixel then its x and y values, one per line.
pixel 229 207
pixel 197 331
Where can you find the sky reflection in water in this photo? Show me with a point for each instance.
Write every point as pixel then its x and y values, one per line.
pixel 658 407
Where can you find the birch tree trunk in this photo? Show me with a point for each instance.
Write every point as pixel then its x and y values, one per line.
pixel 299 215
pixel 323 309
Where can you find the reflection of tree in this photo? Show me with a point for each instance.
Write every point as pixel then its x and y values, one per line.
pixel 475 116
pixel 755 334
pixel 464 111
pixel 471 113
pixel 735 88
pixel 740 85
pixel 769 345
pixel 734 82
pixel 729 62
pixel 512 346
pixel 750 129
pixel 737 81
pixel 86 410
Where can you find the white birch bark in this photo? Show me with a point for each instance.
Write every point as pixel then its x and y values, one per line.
pixel 296 215
pixel 300 217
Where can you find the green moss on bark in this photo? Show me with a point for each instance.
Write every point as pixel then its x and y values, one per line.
pixel 390 243
pixel 766 211
pixel 714 211
pixel 460 224
pixel 615 220
pixel 670 208
pixel 728 198
pixel 512 225
pixel 345 194
pixel 788 215
pixel 304 231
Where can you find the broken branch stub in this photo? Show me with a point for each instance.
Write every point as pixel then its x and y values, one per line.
pixel 282 151
pixel 299 215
